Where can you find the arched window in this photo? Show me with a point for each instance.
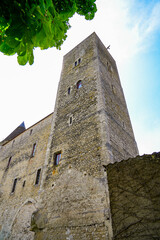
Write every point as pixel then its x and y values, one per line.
pixel 79 84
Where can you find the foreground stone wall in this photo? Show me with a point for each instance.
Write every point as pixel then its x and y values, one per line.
pixel 17 161
pixel 134 189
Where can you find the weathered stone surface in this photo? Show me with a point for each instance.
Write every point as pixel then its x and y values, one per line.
pixel 16 208
pixel 75 192
pixel 90 128
pixel 135 197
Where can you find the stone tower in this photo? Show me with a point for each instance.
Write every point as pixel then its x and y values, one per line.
pixel 91 128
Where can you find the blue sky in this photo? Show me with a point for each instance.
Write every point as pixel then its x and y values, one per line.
pixel 132 28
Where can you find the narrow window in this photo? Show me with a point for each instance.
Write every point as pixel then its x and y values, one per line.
pixel 14 185
pixel 70 120
pixel 75 64
pixel 57 158
pixel 13 143
pixel 38 176
pixel 33 150
pixel 31 131
pixel 79 84
pixel 69 90
pixel 113 89
pixel 24 183
pixel 79 61
pixel 9 161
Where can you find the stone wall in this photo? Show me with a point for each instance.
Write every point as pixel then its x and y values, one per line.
pixel 17 206
pixel 90 128
pixel 134 190
pixel 75 192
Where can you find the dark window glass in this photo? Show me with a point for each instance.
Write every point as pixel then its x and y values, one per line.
pixel 70 120
pixel 33 150
pixel 69 90
pixel 79 61
pixel 57 158
pixel 24 183
pixel 14 185
pixel 38 176
pixel 79 84
pixel 9 161
pixel 75 63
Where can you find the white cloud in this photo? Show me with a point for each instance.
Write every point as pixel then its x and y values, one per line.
pixel 129 25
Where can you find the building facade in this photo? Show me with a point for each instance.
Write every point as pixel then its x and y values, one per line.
pixel 53 179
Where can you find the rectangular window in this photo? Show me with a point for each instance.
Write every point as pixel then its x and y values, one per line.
pixel 38 176
pixel 57 158
pixel 14 185
pixel 24 183
pixel 9 161
pixel 33 150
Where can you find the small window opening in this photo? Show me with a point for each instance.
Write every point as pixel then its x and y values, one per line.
pixel 113 89
pixel 31 131
pixel 79 84
pixel 38 176
pixel 14 185
pixel 57 158
pixel 13 143
pixel 69 90
pixel 33 150
pixel 79 61
pixel 70 120
pixel 24 183
pixel 75 64
pixel 9 161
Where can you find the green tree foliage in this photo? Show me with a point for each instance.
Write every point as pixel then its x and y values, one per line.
pixel 26 24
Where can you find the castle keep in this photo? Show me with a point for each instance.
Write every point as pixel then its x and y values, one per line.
pixel 53 175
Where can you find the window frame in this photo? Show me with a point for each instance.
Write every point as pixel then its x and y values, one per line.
pixel 34 149
pixel 14 185
pixel 38 176
pixel 69 91
pixel 79 84
pixel 57 158
pixel 8 164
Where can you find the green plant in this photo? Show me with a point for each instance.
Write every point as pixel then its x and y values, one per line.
pixel 26 24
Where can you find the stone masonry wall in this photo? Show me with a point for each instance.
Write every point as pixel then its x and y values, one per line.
pixel 75 202
pixel 135 198
pixel 17 207
pixel 75 191
pixel 90 128
pixel 121 141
